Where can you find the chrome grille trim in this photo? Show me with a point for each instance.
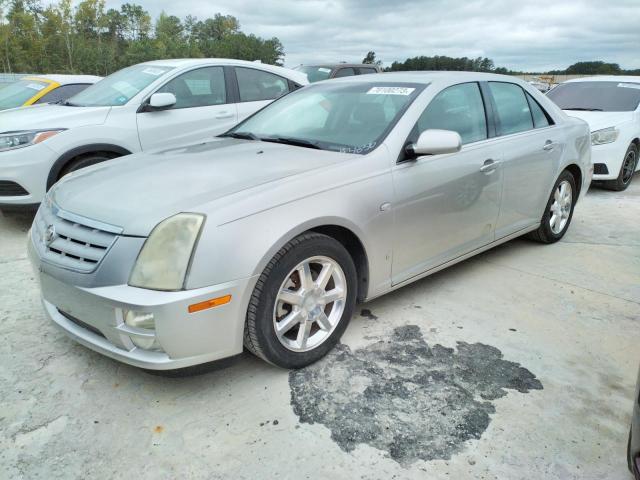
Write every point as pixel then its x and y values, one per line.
pixel 78 243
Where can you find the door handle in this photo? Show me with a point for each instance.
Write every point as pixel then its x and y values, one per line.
pixel 489 166
pixel 224 115
pixel 548 146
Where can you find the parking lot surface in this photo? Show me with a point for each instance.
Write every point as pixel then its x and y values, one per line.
pixel 518 363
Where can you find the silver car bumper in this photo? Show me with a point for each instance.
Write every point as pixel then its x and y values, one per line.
pixel 94 318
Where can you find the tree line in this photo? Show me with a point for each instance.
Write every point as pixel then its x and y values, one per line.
pixel 90 39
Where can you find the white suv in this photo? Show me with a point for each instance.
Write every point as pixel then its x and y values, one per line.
pixel 153 105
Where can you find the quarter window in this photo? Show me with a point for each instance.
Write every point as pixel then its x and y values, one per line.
pixel 198 88
pixel 459 108
pixel 514 114
pixel 539 117
pixel 257 85
pixel 345 72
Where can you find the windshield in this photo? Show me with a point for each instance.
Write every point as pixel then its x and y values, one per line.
pixel 315 74
pixel 118 88
pixel 597 96
pixel 18 93
pixel 345 117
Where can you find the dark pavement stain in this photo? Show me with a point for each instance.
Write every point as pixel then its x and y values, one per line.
pixel 365 312
pixel 404 397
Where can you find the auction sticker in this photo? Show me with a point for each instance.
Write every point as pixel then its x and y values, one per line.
pixel 153 71
pixel 390 91
pixel 35 86
pixel 325 70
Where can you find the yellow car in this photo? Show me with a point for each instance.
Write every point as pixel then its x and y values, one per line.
pixel 43 89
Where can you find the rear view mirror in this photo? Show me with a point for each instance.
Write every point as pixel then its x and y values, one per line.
pixel 436 142
pixel 162 101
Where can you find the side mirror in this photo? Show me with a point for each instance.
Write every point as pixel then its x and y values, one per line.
pixel 162 101
pixel 436 142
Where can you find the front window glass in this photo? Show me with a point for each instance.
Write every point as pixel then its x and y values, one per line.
pixel 353 117
pixel 198 88
pixel 597 96
pixel 120 87
pixel 18 93
pixel 459 108
pixel 315 74
pixel 514 114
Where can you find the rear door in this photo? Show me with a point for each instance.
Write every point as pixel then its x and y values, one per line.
pixel 202 110
pixel 531 150
pixel 256 89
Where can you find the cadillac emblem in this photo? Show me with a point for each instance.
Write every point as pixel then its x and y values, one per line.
pixel 50 235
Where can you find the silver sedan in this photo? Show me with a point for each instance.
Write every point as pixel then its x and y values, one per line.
pixel 267 236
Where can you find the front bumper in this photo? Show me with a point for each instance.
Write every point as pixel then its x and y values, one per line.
pixel 94 318
pixel 608 157
pixel 29 168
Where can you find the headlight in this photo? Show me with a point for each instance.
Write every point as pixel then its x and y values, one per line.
pixel 12 140
pixel 166 254
pixel 606 135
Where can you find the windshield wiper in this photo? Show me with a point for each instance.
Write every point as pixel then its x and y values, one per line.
pixel 298 142
pixel 583 109
pixel 241 135
pixel 67 103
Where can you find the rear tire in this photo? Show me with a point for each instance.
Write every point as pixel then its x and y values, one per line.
pixel 302 302
pixel 85 161
pixel 558 209
pixel 627 170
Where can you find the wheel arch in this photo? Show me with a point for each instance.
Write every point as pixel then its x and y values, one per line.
pixel 340 230
pixel 576 171
pixel 74 153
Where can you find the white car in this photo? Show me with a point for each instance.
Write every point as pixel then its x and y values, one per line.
pixel 148 106
pixel 611 107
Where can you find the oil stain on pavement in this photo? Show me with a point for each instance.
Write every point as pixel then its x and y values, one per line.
pixel 404 397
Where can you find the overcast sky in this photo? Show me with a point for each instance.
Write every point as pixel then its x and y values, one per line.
pixel 531 36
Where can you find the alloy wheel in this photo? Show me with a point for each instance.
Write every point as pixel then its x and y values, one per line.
pixel 310 304
pixel 561 207
pixel 628 166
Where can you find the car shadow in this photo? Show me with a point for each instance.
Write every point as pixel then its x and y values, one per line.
pixel 17 220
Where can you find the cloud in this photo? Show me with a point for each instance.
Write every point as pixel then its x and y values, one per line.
pixel 520 35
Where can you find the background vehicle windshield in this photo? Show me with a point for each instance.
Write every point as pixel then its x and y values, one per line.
pixel 16 94
pixel 597 96
pixel 351 117
pixel 117 89
pixel 315 74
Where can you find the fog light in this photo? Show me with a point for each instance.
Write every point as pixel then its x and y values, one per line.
pixel 142 329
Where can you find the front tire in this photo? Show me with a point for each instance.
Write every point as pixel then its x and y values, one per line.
pixel 302 302
pixel 85 161
pixel 627 170
pixel 559 210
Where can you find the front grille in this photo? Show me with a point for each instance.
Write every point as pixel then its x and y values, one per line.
pixel 81 324
pixel 600 169
pixel 71 242
pixel 11 189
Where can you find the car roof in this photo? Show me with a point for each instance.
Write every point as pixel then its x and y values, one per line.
pixel 340 65
pixel 298 77
pixel 65 79
pixel 607 78
pixel 427 77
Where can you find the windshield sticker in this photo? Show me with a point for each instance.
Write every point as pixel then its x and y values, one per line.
pixel 153 71
pixel 325 70
pixel 35 86
pixel 125 89
pixel 390 91
pixel 361 149
pixel 629 85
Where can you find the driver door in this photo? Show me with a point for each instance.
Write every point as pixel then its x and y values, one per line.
pixel 201 110
pixel 447 205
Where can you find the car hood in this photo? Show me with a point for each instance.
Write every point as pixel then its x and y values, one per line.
pixel 51 116
pixel 600 120
pixel 138 191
